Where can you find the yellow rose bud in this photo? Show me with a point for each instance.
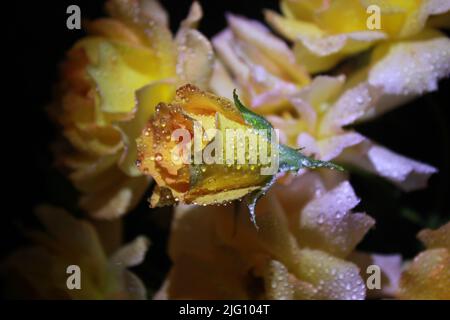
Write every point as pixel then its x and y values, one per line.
pixel 203 149
pixel 207 184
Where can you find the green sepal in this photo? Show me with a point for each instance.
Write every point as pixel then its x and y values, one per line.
pixel 292 160
pixel 289 159
pixel 251 118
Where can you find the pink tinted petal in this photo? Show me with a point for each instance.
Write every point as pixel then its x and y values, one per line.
pixel 326 222
pixel 308 143
pixel 352 105
pixel 332 147
pixel 390 266
pixel 406 173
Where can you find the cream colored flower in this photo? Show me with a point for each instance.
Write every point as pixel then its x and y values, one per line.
pixel 404 70
pixel 39 271
pixel 128 57
pixel 307 231
pixel 326 32
pixel 323 109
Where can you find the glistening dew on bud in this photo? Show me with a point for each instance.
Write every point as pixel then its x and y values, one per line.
pixel 189 151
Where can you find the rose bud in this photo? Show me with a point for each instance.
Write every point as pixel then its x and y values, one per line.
pixel 204 149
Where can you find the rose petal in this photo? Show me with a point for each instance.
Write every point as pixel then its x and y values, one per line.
pixel 332 278
pixel 221 82
pixel 406 173
pixel 278 282
pixel 326 222
pixel 332 147
pixel 147 99
pixel 351 105
pixel 116 199
pixel 131 254
pixel 439 238
pixel 195 58
pixel 411 67
pixel 427 277
pixel 257 35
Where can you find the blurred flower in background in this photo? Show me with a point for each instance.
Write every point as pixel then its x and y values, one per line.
pixel 39 271
pixel 261 65
pixel 130 56
pixel 324 110
pixel 428 275
pixel 307 231
pixel 325 32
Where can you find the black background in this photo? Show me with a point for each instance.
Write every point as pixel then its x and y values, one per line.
pixel 36 41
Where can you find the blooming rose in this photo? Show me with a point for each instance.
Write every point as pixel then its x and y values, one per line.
pixel 326 32
pixel 306 234
pixel 324 109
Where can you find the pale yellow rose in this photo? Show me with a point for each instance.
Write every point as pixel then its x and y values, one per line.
pixel 319 124
pixel 306 232
pixel 128 57
pixel 327 31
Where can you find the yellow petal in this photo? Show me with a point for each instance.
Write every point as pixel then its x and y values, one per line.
pixel 333 278
pixel 427 277
pixel 147 99
pixel 120 72
pixel 115 199
pixel 195 58
pixel 439 238
pixel 291 28
pixel 114 30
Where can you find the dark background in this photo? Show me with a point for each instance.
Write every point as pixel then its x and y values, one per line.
pixel 36 41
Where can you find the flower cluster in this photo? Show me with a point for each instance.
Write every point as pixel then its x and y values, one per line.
pixel 136 104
